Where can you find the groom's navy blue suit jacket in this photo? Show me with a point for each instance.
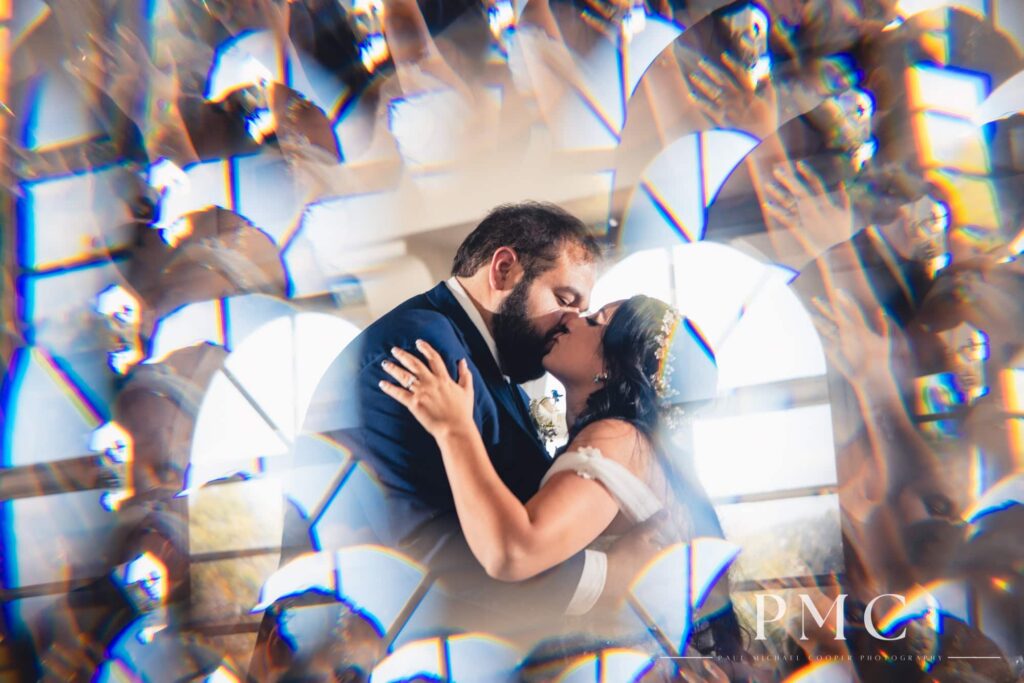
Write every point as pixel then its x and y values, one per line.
pixel 420 518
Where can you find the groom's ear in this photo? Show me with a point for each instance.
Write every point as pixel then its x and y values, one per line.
pixel 505 270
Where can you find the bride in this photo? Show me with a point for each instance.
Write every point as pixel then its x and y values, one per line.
pixel 625 369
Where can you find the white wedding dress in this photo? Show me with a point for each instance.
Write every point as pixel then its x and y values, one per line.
pixel 637 502
pixel 635 498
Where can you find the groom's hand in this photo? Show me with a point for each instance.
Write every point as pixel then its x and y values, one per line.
pixel 629 556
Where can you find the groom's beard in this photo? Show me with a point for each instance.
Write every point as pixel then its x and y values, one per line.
pixel 521 348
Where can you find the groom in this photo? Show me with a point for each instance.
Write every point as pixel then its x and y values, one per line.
pixel 516 279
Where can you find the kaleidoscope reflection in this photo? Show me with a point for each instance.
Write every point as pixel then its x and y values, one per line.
pixel 205 201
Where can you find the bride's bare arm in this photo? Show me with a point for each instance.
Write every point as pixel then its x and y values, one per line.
pixel 512 541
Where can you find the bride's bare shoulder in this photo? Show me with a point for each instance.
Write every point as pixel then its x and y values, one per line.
pixel 616 439
pixel 608 429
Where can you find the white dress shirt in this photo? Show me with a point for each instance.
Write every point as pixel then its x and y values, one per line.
pixel 595 563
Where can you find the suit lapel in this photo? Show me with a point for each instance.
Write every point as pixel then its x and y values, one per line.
pixel 523 401
pixel 514 400
pixel 510 396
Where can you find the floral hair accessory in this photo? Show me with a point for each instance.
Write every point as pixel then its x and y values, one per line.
pixel 661 379
pixel 681 345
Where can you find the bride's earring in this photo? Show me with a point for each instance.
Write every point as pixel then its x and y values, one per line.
pixel 600 377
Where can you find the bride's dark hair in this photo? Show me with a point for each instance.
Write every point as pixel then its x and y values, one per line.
pixel 630 347
pixel 634 369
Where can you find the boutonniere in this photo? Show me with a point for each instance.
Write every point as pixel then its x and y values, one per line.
pixel 548 416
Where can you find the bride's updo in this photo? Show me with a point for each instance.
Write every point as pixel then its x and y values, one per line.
pixel 657 365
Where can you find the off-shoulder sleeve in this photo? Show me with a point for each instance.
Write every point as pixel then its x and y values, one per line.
pixel 635 498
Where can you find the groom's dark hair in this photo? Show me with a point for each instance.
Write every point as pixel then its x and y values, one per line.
pixel 537 231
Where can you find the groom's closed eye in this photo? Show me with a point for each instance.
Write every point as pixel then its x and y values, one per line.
pixel 570 298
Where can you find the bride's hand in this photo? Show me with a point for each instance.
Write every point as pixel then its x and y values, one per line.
pixel 441 405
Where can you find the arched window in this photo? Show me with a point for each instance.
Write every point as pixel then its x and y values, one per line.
pixel 764 450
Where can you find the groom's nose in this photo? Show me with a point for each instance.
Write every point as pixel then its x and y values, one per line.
pixel 568 317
